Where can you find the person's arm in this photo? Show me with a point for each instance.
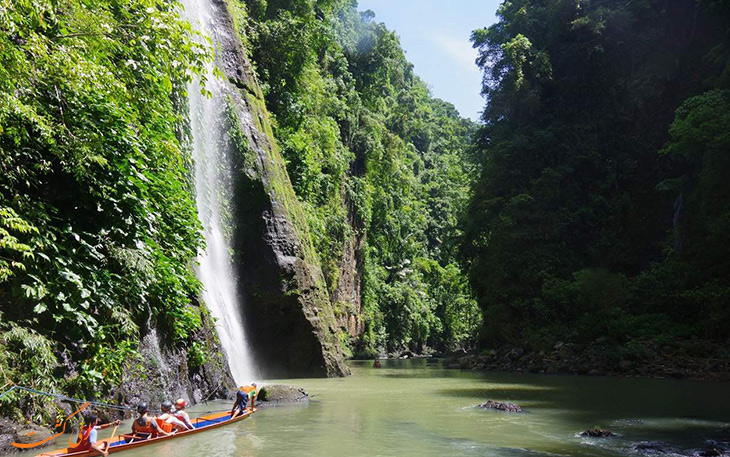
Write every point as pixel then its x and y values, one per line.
pixel 103 426
pixel 175 422
pixel 186 420
pixel 100 448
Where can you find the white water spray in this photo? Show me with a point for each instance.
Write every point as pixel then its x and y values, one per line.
pixel 213 188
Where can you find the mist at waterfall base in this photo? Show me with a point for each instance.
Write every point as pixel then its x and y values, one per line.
pixel 213 186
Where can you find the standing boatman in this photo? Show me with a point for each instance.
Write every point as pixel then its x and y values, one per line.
pixel 242 395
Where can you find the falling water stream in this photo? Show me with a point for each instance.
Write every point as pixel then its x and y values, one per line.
pixel 213 188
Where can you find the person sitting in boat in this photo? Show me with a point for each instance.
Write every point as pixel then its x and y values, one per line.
pixel 88 434
pixel 376 364
pixel 180 413
pixel 145 427
pixel 242 395
pixel 167 421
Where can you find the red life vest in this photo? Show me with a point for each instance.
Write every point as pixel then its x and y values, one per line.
pixel 84 444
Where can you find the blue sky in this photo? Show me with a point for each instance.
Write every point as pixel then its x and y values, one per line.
pixel 435 35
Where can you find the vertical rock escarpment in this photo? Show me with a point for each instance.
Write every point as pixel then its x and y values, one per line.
pixel 290 321
pixel 347 296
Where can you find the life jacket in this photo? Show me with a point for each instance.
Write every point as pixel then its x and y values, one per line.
pixel 164 425
pixel 251 392
pixel 146 428
pixel 84 444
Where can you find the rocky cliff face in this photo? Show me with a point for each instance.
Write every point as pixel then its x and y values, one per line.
pixel 347 296
pixel 166 372
pixel 290 321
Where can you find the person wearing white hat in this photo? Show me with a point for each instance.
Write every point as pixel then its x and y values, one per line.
pixel 180 413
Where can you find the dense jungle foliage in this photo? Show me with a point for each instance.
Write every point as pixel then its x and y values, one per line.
pixel 591 206
pixel 379 164
pixel 98 226
pixel 602 210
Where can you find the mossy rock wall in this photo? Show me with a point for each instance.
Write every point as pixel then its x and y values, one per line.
pixel 289 318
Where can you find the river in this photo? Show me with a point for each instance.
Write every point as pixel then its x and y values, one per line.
pixel 418 408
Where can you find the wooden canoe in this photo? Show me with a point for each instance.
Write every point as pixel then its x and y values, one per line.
pixel 120 442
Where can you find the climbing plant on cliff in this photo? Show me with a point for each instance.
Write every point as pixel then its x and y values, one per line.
pixel 98 227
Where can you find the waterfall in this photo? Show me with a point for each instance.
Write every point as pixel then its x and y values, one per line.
pixel 213 189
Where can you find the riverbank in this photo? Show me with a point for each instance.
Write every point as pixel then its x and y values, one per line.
pixel 650 360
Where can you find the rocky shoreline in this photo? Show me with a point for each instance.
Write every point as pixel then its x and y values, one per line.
pixel 567 358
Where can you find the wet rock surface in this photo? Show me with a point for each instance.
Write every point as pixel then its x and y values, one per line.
pixel 653 448
pixel 163 373
pixel 501 406
pixel 289 316
pixel 650 448
pixel 710 452
pixel 279 393
pixel 598 433
pixel 12 432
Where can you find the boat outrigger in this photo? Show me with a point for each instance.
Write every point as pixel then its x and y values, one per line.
pixel 123 442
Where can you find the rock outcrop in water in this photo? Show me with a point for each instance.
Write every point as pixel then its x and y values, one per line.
pixel 501 406
pixel 278 393
pixel 597 432
pixel 289 318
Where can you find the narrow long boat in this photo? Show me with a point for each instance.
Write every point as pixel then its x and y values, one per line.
pixel 123 442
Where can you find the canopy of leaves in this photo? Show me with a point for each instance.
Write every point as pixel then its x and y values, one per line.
pixel 579 227
pixel 98 229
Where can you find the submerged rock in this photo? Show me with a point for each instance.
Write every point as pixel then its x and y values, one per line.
pixel 652 448
pixel 501 406
pixel 711 452
pixel 279 393
pixel 596 432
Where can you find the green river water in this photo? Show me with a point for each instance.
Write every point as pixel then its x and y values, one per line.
pixel 418 408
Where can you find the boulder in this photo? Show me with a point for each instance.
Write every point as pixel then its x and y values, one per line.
pixel 279 393
pixel 11 432
pixel 652 448
pixel 501 406
pixel 597 432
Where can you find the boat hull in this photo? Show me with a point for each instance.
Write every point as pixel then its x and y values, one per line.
pixel 118 443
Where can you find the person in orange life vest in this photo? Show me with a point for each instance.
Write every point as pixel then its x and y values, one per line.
pixel 180 413
pixel 167 421
pixel 242 395
pixel 145 425
pixel 87 436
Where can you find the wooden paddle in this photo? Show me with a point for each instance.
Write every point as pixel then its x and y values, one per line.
pixel 111 439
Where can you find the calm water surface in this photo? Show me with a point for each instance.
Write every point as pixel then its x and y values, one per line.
pixel 417 408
